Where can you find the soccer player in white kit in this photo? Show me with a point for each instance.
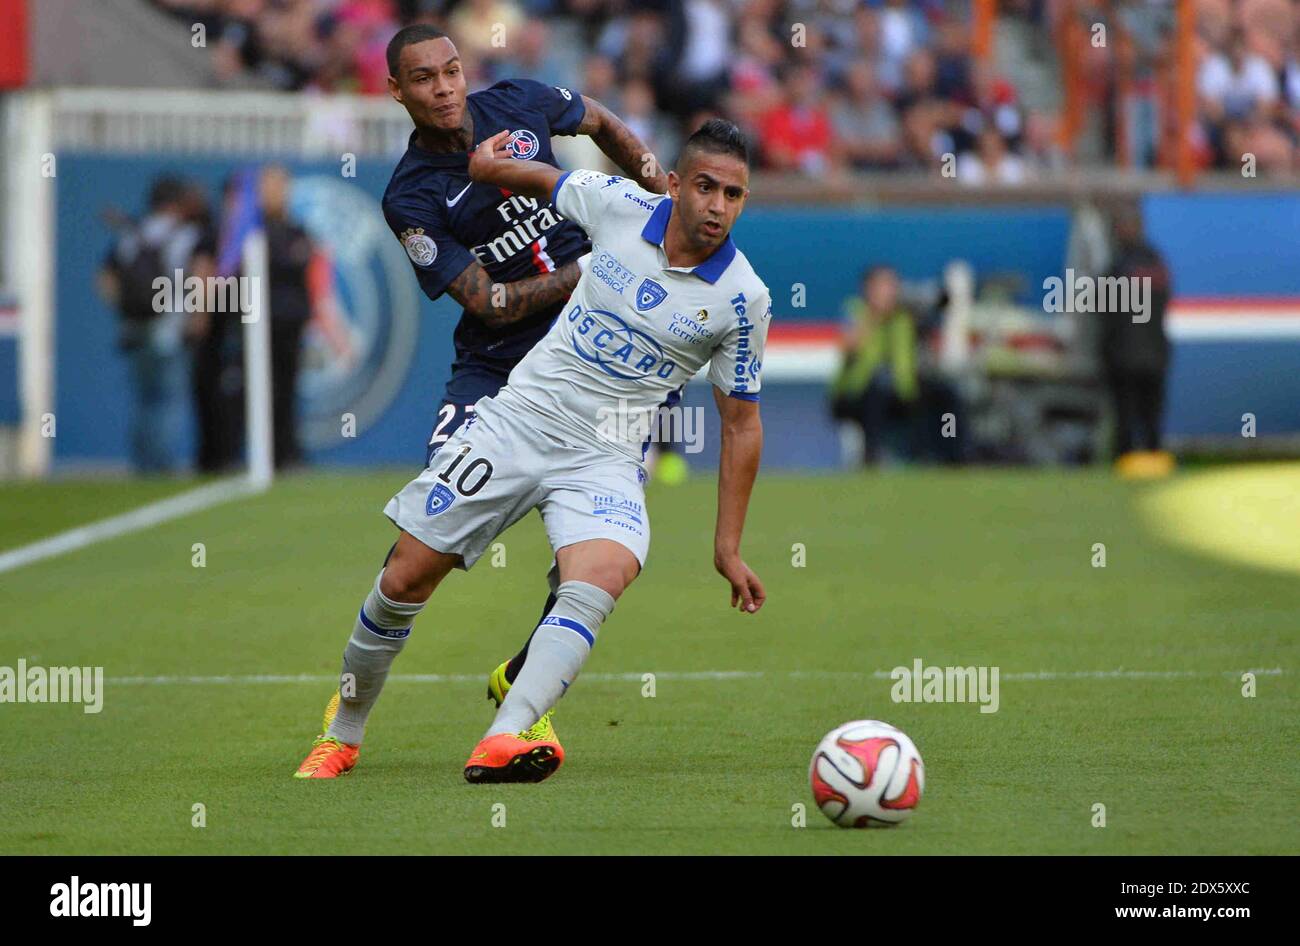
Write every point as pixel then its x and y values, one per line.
pixel 665 293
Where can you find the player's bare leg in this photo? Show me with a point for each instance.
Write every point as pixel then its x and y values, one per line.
pixel 409 577
pixel 592 576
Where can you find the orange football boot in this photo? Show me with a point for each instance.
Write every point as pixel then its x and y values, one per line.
pixel 328 758
pixel 513 757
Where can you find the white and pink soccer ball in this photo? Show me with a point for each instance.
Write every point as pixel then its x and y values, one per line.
pixel 866 773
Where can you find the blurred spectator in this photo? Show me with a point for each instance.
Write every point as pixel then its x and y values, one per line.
pixel 864 123
pixel 926 118
pixel 217 363
pixel 1135 355
pixel 699 38
pixel 902 32
pixel 1271 147
pixel 486 32
pixel 637 42
pixel 600 81
pixel 755 89
pixel 1236 86
pixel 638 113
pixel 797 135
pixel 877 387
pixel 289 254
pixel 535 57
pixel 1141 51
pixel 153 328
pixel 952 61
pixel 991 162
pixel 991 103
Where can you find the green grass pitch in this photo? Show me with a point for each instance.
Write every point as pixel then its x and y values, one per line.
pixel 969 568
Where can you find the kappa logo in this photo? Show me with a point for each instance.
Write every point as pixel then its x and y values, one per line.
pixel 616 504
pixel 419 247
pixel 638 201
pixel 523 145
pixel 649 294
pixel 439 501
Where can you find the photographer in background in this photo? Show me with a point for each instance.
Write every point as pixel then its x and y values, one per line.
pixel 1135 355
pixel 877 387
pixel 289 254
pixel 153 335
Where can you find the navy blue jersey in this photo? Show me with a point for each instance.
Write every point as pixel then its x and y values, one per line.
pixel 445 221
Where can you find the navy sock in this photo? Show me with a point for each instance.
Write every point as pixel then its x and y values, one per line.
pixel 516 662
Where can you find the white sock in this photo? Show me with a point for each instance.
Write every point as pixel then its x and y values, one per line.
pixel 380 633
pixel 558 650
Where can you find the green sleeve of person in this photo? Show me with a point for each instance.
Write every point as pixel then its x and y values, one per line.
pixel 902 336
pixel 895 339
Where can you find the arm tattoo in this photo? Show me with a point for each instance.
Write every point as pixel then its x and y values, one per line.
pixel 476 291
pixel 622 146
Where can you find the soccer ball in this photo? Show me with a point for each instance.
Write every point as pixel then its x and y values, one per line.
pixel 866 773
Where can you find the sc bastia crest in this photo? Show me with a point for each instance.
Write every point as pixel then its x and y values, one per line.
pixel 649 294
pixel 420 248
pixel 523 145
pixel 440 500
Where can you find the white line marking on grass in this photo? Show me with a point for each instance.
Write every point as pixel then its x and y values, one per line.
pixel 146 517
pixel 707 675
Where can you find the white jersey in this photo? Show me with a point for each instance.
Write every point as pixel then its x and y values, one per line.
pixel 636 329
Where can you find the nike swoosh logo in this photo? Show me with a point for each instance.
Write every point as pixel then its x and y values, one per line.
pixel 452 201
pixel 478 755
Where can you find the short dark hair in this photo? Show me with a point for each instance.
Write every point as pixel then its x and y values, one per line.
pixel 166 189
pixel 717 136
pixel 876 269
pixel 409 36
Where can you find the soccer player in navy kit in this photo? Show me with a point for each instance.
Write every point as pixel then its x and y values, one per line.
pixel 667 293
pixel 509 260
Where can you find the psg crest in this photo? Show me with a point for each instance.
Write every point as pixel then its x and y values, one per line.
pixel 523 145
pixel 649 294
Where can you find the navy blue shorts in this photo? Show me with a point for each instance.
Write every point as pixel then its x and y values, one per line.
pixel 470 381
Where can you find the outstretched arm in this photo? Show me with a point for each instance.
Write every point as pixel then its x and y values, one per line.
pixel 621 145
pixel 498 304
pixel 490 163
pixel 742 445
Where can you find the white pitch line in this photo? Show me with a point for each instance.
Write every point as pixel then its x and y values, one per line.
pixel 707 675
pixel 145 517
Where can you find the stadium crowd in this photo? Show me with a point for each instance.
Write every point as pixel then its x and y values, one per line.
pixel 820 85
pixel 1246 85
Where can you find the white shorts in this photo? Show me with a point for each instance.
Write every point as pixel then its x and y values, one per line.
pixel 504 462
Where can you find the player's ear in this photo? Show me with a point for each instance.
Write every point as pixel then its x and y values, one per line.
pixel 674 184
pixel 394 90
